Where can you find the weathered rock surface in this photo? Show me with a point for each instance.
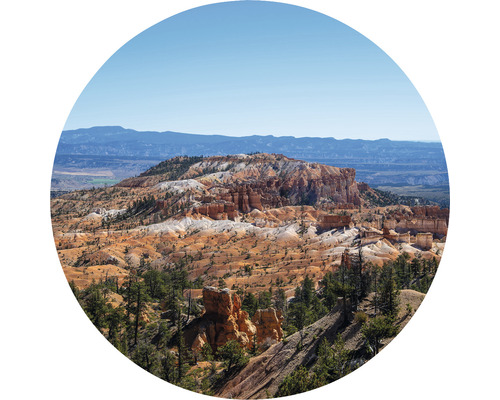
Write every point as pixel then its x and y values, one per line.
pixel 222 321
pixel 423 225
pixel 424 241
pixel 372 235
pixel 328 222
pixel 424 219
pixel 217 211
pixel 243 197
pixel 263 374
pixel 222 240
pixel 431 211
pixel 262 181
pixel 268 324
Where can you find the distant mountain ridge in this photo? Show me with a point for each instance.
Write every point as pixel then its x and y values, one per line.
pixel 118 141
pixel 126 152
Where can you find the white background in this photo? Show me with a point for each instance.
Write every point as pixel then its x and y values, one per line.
pixel 51 49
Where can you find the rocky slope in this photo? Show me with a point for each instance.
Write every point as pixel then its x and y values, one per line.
pixel 200 234
pixel 262 376
pixel 252 181
pixel 224 320
pixel 241 218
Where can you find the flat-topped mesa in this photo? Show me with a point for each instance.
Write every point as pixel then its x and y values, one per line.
pixel 249 182
pixel 275 173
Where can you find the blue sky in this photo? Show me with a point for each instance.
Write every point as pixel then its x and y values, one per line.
pixel 245 68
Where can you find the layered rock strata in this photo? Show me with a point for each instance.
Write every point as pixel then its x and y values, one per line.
pixel 268 324
pixel 216 211
pixel 327 222
pixel 422 225
pixel 369 236
pixel 224 320
pixel 268 181
pixel 424 241
pixel 431 212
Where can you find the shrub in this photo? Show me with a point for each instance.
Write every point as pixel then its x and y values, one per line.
pixel 379 328
pixel 360 316
pixel 299 381
pixel 233 355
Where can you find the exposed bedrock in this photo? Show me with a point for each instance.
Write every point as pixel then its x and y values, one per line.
pixel 224 320
pixel 423 225
pixel 268 324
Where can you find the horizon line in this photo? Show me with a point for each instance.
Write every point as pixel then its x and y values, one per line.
pixel 252 135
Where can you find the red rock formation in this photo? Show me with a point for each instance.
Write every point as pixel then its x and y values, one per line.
pixel 422 225
pixel 268 324
pixel 373 236
pixel 370 236
pixel 424 241
pixel 244 198
pixel 396 237
pixel 346 259
pixel 341 188
pixel 431 212
pixel 271 181
pixel 259 186
pixel 327 222
pixel 217 211
pixel 266 180
pixel 362 186
pixel 222 321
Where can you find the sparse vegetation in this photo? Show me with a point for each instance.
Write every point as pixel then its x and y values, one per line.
pixel 173 168
pixel 140 284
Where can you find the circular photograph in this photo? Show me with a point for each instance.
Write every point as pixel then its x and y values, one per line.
pixel 250 200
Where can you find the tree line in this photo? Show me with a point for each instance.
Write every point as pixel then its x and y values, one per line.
pixel 158 344
pixel 345 288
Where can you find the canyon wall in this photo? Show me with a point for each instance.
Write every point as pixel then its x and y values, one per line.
pixel 328 222
pixel 423 225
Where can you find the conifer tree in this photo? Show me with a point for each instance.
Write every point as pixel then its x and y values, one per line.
pixel 342 287
pixel 167 367
pixel 388 292
pixel 182 350
pixel 379 328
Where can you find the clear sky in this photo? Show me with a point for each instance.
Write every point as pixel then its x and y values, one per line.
pixel 245 68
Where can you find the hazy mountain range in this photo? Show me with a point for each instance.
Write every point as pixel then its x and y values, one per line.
pixel 110 153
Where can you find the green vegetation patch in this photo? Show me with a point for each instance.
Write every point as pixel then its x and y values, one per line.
pixel 174 168
pixel 104 181
pixel 439 194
